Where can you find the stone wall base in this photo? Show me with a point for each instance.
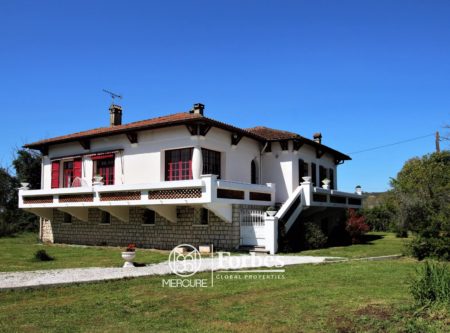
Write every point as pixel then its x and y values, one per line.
pixel 160 235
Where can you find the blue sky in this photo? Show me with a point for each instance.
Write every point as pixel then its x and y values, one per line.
pixel 364 73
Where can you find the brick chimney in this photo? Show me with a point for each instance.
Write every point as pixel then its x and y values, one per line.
pixel 197 108
pixel 115 115
pixel 317 137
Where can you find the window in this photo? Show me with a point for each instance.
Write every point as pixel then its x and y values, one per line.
pixel 314 174
pixel 211 162
pixel 322 174
pixel 67 173
pixel 179 164
pixel 104 166
pixel 67 218
pixel 149 217
pixel 253 172
pixel 105 218
pixel 71 170
pixel 331 172
pixel 302 170
pixel 201 216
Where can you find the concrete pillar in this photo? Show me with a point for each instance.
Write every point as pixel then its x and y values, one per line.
pixel 307 191
pixel 271 226
pixel 197 162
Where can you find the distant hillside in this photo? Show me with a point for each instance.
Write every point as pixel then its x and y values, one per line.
pixel 372 199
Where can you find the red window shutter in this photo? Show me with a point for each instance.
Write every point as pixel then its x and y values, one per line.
pixel 55 174
pixel 77 168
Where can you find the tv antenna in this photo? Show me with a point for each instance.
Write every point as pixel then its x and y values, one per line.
pixel 113 95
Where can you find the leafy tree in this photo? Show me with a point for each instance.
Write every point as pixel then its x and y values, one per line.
pixel 422 191
pixel 27 164
pixel 8 202
pixel 380 213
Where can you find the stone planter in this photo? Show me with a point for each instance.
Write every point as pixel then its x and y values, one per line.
pixel 306 179
pixel 128 257
pixel 97 180
pixel 271 212
pixel 326 184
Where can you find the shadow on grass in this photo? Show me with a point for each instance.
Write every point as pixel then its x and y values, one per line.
pixel 368 239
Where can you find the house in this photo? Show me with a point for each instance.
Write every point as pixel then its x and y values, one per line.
pixel 183 178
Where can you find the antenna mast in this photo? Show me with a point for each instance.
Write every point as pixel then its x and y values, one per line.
pixel 113 95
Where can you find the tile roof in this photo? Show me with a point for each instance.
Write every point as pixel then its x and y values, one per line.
pixel 259 133
pixel 168 120
pixel 273 134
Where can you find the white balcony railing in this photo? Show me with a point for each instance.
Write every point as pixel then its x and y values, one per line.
pixel 206 190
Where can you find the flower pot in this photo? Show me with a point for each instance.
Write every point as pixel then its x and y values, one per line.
pixel 306 179
pixel 326 183
pixel 128 257
pixel 97 180
pixel 271 212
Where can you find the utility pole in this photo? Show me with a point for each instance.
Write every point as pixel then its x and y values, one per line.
pixel 438 147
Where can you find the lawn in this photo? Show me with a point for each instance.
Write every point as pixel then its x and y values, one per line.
pixel 338 297
pixel 377 244
pixel 356 296
pixel 17 254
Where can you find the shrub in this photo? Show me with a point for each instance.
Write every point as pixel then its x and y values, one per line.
pixel 314 236
pixel 42 255
pixel 431 284
pixel 424 247
pixel 379 218
pixel 356 226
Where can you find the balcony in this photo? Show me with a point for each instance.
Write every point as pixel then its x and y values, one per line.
pixel 162 197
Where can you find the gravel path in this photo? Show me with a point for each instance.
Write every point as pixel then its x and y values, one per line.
pixel 13 280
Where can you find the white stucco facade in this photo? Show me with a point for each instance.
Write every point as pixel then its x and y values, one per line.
pixel 246 172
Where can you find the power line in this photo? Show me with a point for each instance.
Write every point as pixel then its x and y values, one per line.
pixel 392 144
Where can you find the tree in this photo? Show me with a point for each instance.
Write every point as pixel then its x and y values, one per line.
pixel 8 202
pixel 422 191
pixel 27 164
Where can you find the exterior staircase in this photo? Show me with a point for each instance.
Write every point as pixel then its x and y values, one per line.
pixel 291 209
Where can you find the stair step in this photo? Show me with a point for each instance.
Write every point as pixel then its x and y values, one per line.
pixel 254 249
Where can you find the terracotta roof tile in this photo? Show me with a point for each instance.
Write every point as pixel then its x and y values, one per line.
pixel 273 134
pixel 110 130
pixel 259 133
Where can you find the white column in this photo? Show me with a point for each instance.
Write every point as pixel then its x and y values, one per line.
pixel 197 162
pixel 271 226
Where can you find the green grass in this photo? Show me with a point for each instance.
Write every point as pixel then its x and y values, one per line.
pixel 17 254
pixel 378 244
pixel 339 297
